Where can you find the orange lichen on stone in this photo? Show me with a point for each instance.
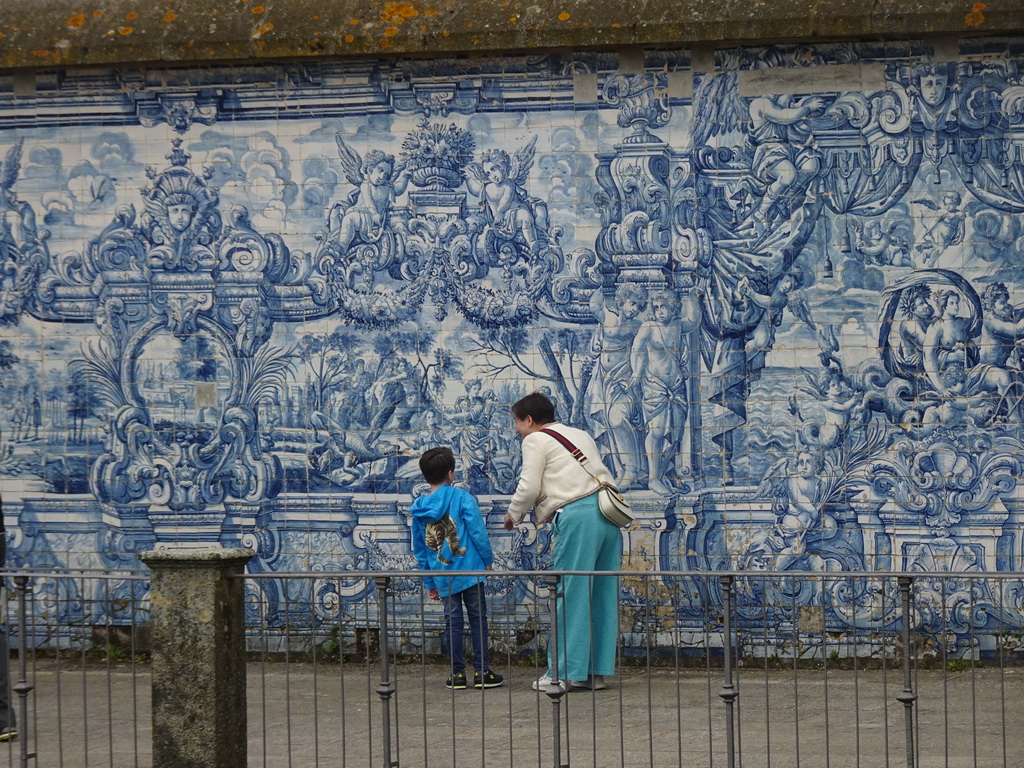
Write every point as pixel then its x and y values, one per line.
pixel 40 54
pixel 258 9
pixel 391 31
pixel 77 21
pixel 97 13
pixel 170 16
pixel 564 16
pixel 262 29
pixel 349 38
pixel 975 18
pixel 125 30
pixel 397 13
pixel 353 22
pixel 131 16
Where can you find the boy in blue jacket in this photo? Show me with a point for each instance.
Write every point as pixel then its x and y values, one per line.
pixel 449 536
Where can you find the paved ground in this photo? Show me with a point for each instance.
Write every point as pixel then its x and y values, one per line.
pixel 303 717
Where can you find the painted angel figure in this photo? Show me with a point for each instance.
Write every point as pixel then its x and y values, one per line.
pixel 946 231
pixel 379 181
pixel 798 491
pixel 511 214
pixel 885 246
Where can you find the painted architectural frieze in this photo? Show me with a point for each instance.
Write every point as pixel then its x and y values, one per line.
pixel 784 294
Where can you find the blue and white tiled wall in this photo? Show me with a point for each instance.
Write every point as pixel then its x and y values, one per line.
pixel 781 285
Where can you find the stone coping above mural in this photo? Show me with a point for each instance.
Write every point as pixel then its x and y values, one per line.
pixel 128 31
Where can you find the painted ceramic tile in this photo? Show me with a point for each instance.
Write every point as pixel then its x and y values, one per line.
pixel 784 295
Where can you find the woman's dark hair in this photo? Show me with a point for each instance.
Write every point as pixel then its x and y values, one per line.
pixel 536 405
pixel 436 463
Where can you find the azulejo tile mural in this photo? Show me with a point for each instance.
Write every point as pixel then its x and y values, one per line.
pixel 238 302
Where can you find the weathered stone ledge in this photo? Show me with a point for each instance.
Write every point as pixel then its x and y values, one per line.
pixel 109 32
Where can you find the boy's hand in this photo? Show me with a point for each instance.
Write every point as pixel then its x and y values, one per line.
pixel 432 594
pixel 509 522
pixel 489 568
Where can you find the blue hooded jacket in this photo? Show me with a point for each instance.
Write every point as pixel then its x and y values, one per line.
pixel 448 536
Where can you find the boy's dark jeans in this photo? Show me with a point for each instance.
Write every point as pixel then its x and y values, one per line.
pixel 454 626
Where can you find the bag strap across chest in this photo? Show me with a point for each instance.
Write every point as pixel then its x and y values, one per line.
pixel 577 454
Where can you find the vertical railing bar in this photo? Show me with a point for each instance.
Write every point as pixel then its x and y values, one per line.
pixel 85 687
pixel 707 671
pixel 450 654
pixel 767 686
pixel 369 674
pixel 1002 669
pixel 287 667
pixel 386 688
pixel 885 674
pixel 563 675
pixel 915 668
pixel 59 688
pixel 679 692
pixel 622 723
pixel 650 695
pixel 341 674
pixel 486 653
pixel 975 651
pixel 728 693
pixel 316 672
pixel 107 607
pixel 795 614
pixel 907 697
pixel 22 687
pixel 856 671
pixel 556 690
pixel 593 693
pixel 824 664
pixel 134 667
pixel 738 709
pixel 33 651
pixel 423 673
pixel 512 656
pixel 537 662
pixel 396 715
pixel 264 645
pixel 945 674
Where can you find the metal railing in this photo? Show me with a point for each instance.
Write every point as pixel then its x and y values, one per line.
pixel 713 669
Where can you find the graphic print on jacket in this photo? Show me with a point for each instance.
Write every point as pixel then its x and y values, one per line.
pixel 442 533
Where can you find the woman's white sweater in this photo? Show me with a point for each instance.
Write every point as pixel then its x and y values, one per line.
pixel 550 477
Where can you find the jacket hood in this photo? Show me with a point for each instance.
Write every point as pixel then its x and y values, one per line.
pixel 431 507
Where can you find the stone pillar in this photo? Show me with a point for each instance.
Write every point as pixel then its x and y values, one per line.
pixel 199 708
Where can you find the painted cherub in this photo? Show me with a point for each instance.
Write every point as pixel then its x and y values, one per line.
pixel 843 407
pixel 882 245
pixel 499 181
pixel 379 182
pixel 799 489
pixel 946 231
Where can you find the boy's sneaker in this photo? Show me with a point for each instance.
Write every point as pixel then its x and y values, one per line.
pixel 592 683
pixel 457 682
pixel 543 683
pixel 487 679
pixel 9 734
